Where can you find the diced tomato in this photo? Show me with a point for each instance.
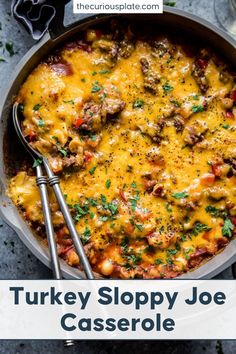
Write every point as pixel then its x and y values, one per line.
pixel 87 156
pixel 233 219
pixel 233 95
pixel 208 179
pixel 229 114
pixel 216 169
pixel 202 63
pixel 122 194
pixel 32 135
pixel 78 122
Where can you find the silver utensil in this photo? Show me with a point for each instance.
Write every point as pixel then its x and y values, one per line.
pixel 55 184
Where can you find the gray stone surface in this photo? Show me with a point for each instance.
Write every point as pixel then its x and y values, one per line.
pixel 18 263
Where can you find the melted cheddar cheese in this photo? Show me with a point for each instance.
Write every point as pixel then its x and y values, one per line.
pixel 142 134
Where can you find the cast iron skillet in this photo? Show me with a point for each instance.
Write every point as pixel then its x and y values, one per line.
pixel 174 20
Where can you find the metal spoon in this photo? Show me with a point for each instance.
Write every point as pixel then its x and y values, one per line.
pixel 54 183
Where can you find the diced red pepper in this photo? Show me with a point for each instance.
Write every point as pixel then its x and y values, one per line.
pixel 32 135
pixel 208 179
pixel 122 194
pixel 79 122
pixel 87 156
pixel 216 169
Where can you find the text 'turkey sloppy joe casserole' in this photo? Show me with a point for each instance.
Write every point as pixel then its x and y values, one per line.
pixel 141 130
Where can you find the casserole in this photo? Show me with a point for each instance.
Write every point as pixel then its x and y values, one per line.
pixel 172 17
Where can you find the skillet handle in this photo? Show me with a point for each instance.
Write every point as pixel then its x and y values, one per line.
pixel 38 16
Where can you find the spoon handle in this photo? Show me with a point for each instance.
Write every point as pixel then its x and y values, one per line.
pixel 42 184
pixel 54 182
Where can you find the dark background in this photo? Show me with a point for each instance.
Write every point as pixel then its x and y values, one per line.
pixel 17 262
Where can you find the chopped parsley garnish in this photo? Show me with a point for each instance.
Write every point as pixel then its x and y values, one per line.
pixel 63 152
pixel 10 49
pixel 91 201
pixel 198 228
pixel 171 252
pixel 37 162
pixel 80 210
pixel 41 123
pixel 169 208
pixel 133 202
pixel 138 104
pixel 139 227
pixel 158 261
pixel 225 126
pixel 60 149
pixel 175 103
pixel 124 243
pixel 37 107
pixel 197 109
pixel 94 73
pixel 112 207
pixel 92 170
pixel 195 97
pixel 167 88
pixel 93 137
pixel 134 185
pixel 104 71
pixel 215 211
pixel 169 260
pixel 134 259
pixel 108 183
pixel 170 3
pixel 227 228
pixel 103 218
pixel 96 87
pixel 55 138
pixel 188 251
pixel 180 195
pixel 86 235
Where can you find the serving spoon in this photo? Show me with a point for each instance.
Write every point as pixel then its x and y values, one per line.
pixel 54 182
